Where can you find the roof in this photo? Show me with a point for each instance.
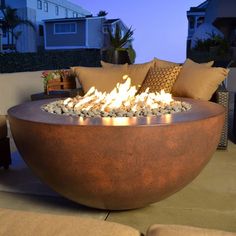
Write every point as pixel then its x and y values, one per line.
pixel 200 8
pixel 111 21
pixel 203 5
pixel 72 6
pixel 73 18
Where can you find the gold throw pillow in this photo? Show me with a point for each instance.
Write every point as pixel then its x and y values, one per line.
pixel 160 78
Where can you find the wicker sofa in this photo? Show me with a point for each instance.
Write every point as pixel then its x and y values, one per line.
pixel 221 96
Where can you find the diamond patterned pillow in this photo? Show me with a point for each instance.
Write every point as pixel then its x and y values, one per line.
pixel 160 78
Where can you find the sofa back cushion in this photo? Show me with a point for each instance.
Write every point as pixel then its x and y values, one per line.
pixel 137 72
pixel 198 81
pixel 159 78
pixel 103 79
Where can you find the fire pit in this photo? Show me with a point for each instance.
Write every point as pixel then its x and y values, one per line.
pixel 122 101
pixel 117 163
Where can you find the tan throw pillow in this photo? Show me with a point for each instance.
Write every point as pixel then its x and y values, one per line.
pixel 137 72
pixel 198 81
pixel 162 63
pixel 160 78
pixel 103 79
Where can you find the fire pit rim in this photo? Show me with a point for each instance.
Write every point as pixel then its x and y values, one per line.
pixel 32 111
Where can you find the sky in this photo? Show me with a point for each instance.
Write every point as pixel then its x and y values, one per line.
pixel 160 25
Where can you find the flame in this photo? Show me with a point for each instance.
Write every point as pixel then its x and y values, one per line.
pixel 122 98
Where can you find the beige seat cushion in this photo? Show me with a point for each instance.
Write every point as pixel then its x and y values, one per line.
pixel 159 78
pixel 178 230
pixel 3 126
pixel 137 72
pixel 21 223
pixel 198 81
pixel 103 79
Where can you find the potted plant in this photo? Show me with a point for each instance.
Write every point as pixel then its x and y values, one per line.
pixel 120 50
pixel 58 80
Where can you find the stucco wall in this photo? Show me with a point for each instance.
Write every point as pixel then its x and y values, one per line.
pixel 16 88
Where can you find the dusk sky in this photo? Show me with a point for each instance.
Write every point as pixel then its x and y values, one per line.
pixel 160 26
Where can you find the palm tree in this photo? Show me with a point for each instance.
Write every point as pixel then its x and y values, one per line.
pixel 121 45
pixel 10 21
pixel 118 41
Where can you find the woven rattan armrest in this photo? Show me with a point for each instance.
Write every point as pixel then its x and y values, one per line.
pixel 221 96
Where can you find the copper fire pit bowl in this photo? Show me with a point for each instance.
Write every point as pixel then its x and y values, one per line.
pixel 117 163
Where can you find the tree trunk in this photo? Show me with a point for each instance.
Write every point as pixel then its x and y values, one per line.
pixel 120 57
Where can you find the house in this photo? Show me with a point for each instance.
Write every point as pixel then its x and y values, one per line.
pixel 36 11
pixel 196 16
pixel 218 13
pixel 222 14
pixel 81 32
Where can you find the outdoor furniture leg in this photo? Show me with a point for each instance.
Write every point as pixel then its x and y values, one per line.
pixel 5 154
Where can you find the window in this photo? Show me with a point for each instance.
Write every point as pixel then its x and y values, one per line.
pixel 39 4
pixel 4 32
pixel 45 6
pixel 75 14
pixel 64 28
pixel 41 33
pixel 105 29
pixel 191 21
pixel 200 20
pixel 66 13
pixel 57 10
